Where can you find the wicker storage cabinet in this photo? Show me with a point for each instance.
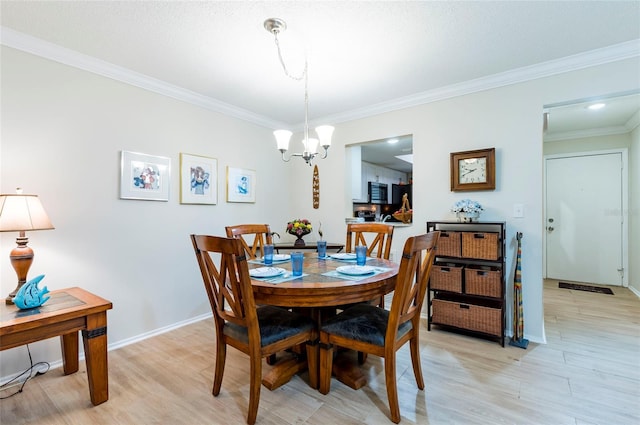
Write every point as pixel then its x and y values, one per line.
pixel 466 289
pixel 468 316
pixel 446 277
pixel 483 280
pixel 480 245
pixel 449 244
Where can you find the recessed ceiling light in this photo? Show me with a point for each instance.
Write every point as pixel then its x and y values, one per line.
pixel 596 106
pixel 392 141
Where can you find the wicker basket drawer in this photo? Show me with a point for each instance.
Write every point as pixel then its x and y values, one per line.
pixel 481 280
pixel 480 245
pixel 446 277
pixel 449 244
pixel 468 316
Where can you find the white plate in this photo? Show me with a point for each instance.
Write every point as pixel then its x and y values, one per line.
pixel 266 272
pixel 355 270
pixel 279 258
pixel 344 256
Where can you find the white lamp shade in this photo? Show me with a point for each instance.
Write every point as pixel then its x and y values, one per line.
pixel 282 139
pixel 324 133
pixel 22 212
pixel 313 145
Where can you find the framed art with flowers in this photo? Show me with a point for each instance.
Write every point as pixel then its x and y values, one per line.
pixel 145 177
pixel 241 185
pixel 198 179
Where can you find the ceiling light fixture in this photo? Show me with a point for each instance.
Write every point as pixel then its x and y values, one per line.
pixel 275 26
pixel 596 106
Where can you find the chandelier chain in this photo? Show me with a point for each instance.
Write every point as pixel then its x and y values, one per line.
pixel 304 76
pixel 286 71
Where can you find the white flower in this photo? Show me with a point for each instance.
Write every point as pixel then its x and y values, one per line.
pixel 466 205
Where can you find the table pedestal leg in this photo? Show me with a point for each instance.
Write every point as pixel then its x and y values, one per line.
pixel 346 370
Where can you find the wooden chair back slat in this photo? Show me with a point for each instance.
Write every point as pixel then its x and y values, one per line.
pixel 379 237
pixel 253 237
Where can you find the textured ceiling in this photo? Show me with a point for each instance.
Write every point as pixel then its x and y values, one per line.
pixel 360 54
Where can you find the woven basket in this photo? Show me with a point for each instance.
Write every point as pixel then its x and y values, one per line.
pixel 449 244
pixel 468 316
pixel 404 214
pixel 480 245
pixel 482 280
pixel 446 277
pixel 405 217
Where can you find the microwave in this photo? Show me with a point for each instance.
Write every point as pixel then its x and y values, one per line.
pixel 378 193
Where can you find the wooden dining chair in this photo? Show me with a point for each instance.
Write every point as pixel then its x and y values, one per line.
pixel 258 332
pixel 374 330
pixel 253 237
pixel 376 236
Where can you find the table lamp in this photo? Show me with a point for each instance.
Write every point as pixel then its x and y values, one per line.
pixel 19 213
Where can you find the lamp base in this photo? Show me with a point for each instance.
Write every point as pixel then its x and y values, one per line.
pixel 21 258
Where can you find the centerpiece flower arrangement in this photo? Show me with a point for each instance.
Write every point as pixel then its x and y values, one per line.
pixel 467 210
pixel 298 228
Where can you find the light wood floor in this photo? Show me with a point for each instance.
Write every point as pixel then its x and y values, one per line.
pixel 587 373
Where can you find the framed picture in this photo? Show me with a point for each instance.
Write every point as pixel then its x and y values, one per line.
pixel 241 185
pixel 198 179
pixel 473 170
pixel 144 176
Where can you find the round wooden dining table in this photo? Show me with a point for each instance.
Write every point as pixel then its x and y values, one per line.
pixel 318 292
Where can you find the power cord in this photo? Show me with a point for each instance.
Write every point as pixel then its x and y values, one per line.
pixel 29 371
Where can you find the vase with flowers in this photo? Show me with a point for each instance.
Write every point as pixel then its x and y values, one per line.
pixel 467 210
pixel 298 228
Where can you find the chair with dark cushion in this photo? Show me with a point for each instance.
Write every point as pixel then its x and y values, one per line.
pixel 379 332
pixel 261 234
pixel 258 332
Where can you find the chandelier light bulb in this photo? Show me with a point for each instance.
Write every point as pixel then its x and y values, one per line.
pixel 282 139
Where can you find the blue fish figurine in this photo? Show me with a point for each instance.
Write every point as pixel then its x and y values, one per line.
pixel 30 296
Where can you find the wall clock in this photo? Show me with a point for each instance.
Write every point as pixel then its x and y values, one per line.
pixel 473 170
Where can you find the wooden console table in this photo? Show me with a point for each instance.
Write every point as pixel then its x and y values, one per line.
pixel 64 314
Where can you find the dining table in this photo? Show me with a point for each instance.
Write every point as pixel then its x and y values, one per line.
pixel 325 285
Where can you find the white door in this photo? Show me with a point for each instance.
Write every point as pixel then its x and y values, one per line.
pixel 584 218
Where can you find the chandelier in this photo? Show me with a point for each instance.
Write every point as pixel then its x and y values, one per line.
pixel 324 132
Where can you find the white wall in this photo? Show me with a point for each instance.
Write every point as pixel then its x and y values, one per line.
pixel 62 133
pixel 588 144
pixel 63 129
pixel 634 212
pixel 509 119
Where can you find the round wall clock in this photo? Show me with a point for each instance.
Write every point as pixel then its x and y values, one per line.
pixel 473 170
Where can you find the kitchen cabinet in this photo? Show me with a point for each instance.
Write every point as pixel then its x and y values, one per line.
pixel 466 289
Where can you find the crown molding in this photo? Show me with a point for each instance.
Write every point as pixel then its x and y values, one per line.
pixel 54 52
pixel 614 53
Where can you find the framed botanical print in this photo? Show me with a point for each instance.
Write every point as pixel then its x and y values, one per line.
pixel 473 170
pixel 241 185
pixel 143 176
pixel 198 179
